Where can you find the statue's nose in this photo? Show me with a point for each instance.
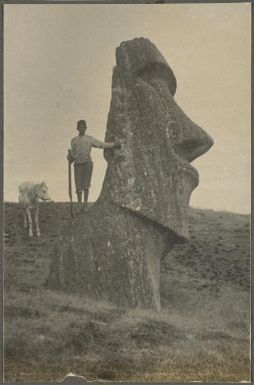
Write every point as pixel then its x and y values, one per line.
pixel 192 140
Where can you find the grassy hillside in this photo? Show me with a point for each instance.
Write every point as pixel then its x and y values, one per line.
pixel 202 332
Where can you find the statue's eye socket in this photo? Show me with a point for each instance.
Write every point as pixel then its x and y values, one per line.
pixel 153 71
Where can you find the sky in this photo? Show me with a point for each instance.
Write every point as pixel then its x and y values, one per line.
pixel 58 61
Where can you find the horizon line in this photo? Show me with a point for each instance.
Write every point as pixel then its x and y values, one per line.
pixel 91 203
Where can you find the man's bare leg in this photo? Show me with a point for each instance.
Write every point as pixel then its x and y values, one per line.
pixel 79 196
pixel 86 193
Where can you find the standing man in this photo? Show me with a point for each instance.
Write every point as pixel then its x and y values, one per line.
pixel 81 147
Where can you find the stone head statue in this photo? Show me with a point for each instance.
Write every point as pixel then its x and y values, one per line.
pixel 152 175
pixel 114 251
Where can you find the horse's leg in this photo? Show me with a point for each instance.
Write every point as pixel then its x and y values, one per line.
pixel 36 219
pixel 25 218
pixel 30 223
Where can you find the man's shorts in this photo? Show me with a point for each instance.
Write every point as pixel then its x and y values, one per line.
pixel 82 175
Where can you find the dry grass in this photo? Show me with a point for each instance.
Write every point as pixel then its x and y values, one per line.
pixel 202 332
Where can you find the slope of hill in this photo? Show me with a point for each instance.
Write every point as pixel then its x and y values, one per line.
pixel 202 332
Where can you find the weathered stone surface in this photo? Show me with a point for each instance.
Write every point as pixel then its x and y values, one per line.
pixel 113 252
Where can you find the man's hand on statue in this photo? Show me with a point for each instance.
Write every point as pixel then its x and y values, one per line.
pixel 117 145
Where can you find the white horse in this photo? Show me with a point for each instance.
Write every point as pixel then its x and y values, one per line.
pixel 29 196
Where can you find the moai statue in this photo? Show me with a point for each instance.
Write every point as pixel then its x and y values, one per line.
pixel 114 251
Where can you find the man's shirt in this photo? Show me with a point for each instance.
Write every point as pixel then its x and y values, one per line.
pixel 81 147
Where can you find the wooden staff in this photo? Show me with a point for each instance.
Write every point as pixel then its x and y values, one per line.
pixel 69 182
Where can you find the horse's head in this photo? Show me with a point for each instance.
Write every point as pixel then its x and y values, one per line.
pixel 42 192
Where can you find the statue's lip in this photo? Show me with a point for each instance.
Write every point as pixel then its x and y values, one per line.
pixel 186 166
pixel 190 149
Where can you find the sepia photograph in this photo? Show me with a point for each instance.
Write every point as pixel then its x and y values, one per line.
pixel 127 162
